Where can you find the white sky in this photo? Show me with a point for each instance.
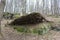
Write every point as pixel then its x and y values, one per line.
pixel 0 0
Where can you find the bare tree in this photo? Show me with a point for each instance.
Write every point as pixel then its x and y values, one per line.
pixel 58 6
pixel 43 6
pixel 23 2
pixel 55 7
pixel 2 4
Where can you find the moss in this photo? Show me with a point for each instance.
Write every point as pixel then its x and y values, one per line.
pixel 16 16
pixel 20 29
pixel 43 29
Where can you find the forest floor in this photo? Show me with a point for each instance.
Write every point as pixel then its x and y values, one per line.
pixel 11 34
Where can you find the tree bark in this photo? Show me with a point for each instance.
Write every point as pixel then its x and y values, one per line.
pixel 1 11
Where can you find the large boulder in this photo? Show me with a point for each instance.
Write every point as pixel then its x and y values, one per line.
pixel 32 18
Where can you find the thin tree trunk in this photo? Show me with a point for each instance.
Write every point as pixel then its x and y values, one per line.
pixel 43 6
pixel 1 15
pixel 55 7
pixel 23 7
pixel 1 11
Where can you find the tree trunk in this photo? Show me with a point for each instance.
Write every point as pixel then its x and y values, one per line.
pixel 55 7
pixel 23 7
pixel 1 11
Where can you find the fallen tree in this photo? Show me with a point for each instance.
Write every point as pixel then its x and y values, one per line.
pixel 32 18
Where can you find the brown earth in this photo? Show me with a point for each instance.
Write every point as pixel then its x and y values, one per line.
pixel 11 34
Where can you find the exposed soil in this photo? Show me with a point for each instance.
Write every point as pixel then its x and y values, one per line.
pixel 11 34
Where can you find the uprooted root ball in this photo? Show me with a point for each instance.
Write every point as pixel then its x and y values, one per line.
pixel 32 18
